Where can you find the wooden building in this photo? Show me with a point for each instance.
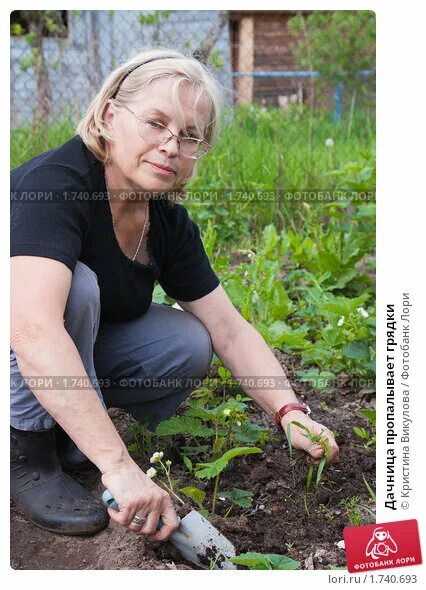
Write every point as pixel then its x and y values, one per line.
pixel 262 42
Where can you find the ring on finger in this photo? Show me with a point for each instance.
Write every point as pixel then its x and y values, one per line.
pixel 138 519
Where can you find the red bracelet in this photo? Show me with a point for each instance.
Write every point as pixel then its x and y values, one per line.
pixel 288 408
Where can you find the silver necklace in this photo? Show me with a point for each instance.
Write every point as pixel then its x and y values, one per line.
pixel 113 223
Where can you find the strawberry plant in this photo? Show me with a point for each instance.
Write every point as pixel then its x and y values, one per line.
pixel 237 497
pixel 265 561
pixel 215 468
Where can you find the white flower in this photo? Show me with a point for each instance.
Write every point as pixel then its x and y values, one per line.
pixel 362 311
pixel 245 273
pixel 151 472
pixel 341 321
pixel 329 142
pixel 227 411
pixel 238 423
pixel 249 255
pixel 156 457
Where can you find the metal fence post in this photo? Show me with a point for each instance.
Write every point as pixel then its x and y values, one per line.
pixel 337 102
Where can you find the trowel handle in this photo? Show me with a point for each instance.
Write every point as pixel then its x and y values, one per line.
pixel 109 501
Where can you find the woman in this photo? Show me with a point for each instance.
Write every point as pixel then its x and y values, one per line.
pixel 83 270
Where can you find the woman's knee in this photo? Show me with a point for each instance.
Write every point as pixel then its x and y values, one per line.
pixel 198 345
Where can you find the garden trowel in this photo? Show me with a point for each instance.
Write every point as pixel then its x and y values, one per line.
pixel 196 539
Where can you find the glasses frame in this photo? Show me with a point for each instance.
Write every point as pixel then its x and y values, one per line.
pixel 172 135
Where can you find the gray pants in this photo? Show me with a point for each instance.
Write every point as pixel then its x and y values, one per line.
pixel 146 366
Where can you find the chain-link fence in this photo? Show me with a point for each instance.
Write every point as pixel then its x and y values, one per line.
pixel 59 58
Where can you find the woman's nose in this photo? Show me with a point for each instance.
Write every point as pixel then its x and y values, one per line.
pixel 171 145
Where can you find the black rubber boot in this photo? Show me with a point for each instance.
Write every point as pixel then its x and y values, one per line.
pixel 69 455
pixel 48 497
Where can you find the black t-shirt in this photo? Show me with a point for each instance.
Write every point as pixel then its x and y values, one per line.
pixel 79 227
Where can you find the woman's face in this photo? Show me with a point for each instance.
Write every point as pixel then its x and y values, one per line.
pixel 133 159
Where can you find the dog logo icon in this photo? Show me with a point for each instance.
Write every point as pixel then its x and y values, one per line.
pixel 381 544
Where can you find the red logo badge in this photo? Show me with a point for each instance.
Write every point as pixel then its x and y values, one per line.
pixel 375 547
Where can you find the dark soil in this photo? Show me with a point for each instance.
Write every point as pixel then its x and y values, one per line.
pixel 277 522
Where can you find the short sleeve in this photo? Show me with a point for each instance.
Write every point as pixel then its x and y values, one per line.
pixel 187 275
pixel 44 222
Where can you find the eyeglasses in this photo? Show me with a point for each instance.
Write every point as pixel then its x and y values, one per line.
pixel 155 132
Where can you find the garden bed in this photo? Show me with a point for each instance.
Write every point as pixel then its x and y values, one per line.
pixel 282 519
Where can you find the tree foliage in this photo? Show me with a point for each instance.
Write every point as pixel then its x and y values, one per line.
pixel 338 44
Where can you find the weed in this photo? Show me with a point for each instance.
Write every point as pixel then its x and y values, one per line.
pixel 368 433
pixel 314 439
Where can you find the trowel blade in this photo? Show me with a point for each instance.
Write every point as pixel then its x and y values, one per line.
pixel 201 543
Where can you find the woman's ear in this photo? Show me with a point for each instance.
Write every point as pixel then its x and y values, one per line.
pixel 108 116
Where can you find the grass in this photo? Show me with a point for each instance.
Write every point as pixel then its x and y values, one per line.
pixel 259 148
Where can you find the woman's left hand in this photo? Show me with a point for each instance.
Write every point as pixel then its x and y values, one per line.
pixel 300 440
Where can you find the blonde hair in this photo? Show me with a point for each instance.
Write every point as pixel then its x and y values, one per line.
pixel 181 68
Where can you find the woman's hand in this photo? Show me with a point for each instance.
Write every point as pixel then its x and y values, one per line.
pixel 137 495
pixel 300 440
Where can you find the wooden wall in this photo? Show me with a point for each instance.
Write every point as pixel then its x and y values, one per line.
pixel 271 49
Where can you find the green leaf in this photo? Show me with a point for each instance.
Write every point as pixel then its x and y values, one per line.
pixel 342 305
pixel 369 413
pixel 201 413
pixel 250 433
pixel 218 445
pixel 195 494
pixel 361 432
pixel 242 498
pixel 223 373
pixel 369 488
pixel 309 477
pixel 183 425
pixel 288 433
pixel 282 562
pixel 211 469
pixel 320 469
pixel 252 560
pixel 357 350
pixel 270 237
pixel 265 561
pixel 237 452
pixel 188 463
pixel 302 426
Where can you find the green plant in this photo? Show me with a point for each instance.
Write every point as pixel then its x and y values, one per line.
pixel 370 489
pixel 222 421
pixel 368 433
pixel 314 439
pixel 215 468
pixel 265 561
pixel 237 497
pixel 156 460
pixel 143 442
pixel 354 511
pixel 198 496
